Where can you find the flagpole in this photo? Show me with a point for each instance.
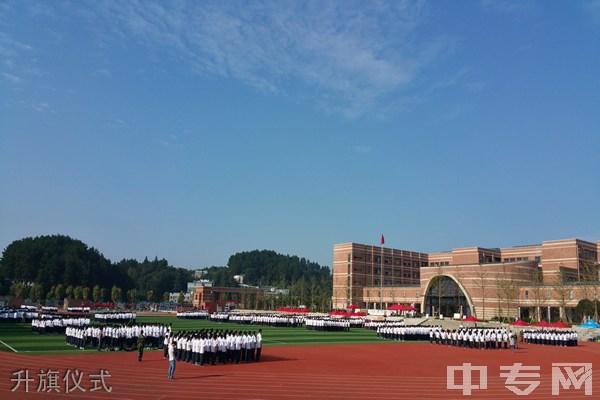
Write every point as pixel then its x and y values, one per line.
pixel 381 282
pixel 381 278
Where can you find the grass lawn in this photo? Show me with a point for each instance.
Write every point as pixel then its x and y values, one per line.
pixel 20 337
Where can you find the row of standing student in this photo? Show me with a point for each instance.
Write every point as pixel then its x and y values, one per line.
pixel 551 337
pixel 212 347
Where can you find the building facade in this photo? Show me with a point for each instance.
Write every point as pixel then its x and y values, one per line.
pixel 226 298
pixel 538 280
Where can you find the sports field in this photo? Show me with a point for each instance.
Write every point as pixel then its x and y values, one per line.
pixel 295 364
pixel 20 338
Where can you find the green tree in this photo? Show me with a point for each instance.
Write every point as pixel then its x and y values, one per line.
pixel 165 296
pixel 85 293
pixel 181 298
pixel 103 294
pixel 36 292
pixel 78 292
pixel 132 297
pixel 150 295
pixel 116 294
pixel 53 260
pixel 69 292
pixel 59 292
pixel 51 293
pixel 96 294
pixel 17 289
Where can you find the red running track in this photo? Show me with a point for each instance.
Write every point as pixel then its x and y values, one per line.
pixel 380 371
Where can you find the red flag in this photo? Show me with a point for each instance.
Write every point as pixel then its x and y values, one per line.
pixel 382 239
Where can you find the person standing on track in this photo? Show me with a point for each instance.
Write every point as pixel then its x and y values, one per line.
pixel 258 344
pixel 140 346
pixel 171 359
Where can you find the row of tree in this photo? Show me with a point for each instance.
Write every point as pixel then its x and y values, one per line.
pixel 35 292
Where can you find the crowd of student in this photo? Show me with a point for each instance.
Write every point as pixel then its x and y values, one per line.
pixel 199 314
pixel 373 325
pixel 473 338
pixel 398 331
pixel 275 320
pixel 209 347
pixel 12 314
pixel 327 324
pixel 79 309
pixel 56 323
pixel 116 337
pixel 115 317
pixel 551 337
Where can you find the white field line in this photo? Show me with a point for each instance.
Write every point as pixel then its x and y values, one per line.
pixel 8 346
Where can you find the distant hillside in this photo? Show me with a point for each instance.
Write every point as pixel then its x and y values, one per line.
pixel 60 266
pixel 309 283
pixel 56 263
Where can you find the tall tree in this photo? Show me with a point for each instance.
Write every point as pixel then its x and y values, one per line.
pixel 481 283
pixel 116 294
pixel 36 292
pixel 59 292
pixel 96 294
pixel 563 289
pixel 132 297
pixel 590 283
pixel 538 293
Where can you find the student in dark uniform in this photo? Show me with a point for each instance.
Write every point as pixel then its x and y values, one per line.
pixel 140 346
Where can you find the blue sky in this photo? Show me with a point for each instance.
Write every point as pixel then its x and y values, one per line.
pixel 194 130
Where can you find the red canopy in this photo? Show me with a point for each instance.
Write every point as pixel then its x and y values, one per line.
pixel 396 307
pixel 543 324
pixel 410 308
pixel 293 310
pixel 560 324
pixel 471 318
pixel 352 306
pixel 519 322
pixel 347 313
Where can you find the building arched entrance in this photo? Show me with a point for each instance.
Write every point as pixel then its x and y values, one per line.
pixel 445 296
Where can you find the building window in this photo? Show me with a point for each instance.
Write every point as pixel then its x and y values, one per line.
pixel 526 295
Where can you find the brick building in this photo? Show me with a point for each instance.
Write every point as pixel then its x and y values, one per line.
pixel 541 280
pixel 222 298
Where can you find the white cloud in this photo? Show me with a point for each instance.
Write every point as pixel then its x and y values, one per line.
pixel 38 106
pixel 102 72
pixel 15 80
pixel 362 149
pixel 345 57
pixel 506 7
